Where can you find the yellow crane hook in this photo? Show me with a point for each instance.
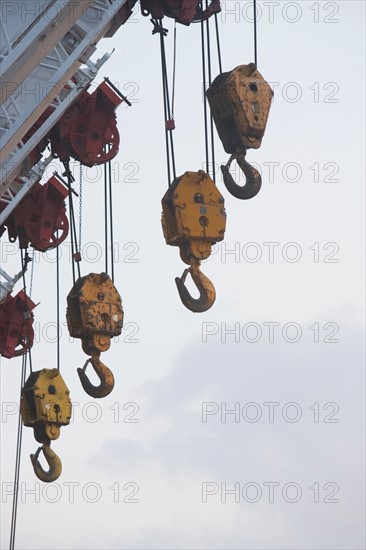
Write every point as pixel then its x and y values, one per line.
pixel 104 374
pixel 204 285
pixel 253 179
pixel 53 461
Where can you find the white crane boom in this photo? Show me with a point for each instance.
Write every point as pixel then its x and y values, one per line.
pixel 43 45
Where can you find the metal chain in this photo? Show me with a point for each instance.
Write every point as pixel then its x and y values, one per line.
pixel 23 259
pixel 73 236
pixel 169 141
pixel 32 273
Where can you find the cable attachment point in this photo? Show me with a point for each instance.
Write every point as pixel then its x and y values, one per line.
pixel 27 259
pixel 158 28
pixel 68 174
pixel 170 124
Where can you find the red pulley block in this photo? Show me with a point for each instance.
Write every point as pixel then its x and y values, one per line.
pixel 94 140
pixel 40 218
pixel 183 11
pixel 16 320
pixel 88 131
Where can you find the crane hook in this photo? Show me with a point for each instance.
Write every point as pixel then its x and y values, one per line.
pixel 104 374
pixel 204 285
pixel 53 462
pixel 253 179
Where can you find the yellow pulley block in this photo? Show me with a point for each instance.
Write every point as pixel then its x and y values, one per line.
pixel 240 102
pixel 45 406
pixel 194 219
pixel 95 315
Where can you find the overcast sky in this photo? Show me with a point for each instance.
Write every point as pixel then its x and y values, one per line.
pixel 161 462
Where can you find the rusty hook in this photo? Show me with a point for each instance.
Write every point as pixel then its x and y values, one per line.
pixel 53 461
pixel 104 374
pixel 204 285
pixel 253 179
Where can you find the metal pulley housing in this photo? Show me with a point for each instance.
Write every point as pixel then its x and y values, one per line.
pixel 194 216
pixel 16 320
pixel 45 404
pixel 94 312
pixel 240 101
pixel 88 130
pixel 40 218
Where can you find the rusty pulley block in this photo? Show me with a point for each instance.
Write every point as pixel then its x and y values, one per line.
pixel 194 219
pixel 45 406
pixel 40 218
pixel 240 101
pixel 16 325
pixel 95 315
pixel 183 11
pixel 88 130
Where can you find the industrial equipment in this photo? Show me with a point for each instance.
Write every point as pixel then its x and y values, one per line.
pixel 40 218
pixel 45 406
pixel 194 219
pixel 95 315
pixel 16 325
pixel 240 101
pixel 49 110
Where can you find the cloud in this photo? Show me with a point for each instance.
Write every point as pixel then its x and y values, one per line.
pixel 317 383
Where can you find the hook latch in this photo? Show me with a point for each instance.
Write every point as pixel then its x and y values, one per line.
pixel 204 285
pixel 253 179
pixel 104 374
pixel 53 461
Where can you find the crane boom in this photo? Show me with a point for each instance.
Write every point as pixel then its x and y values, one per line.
pixel 43 48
